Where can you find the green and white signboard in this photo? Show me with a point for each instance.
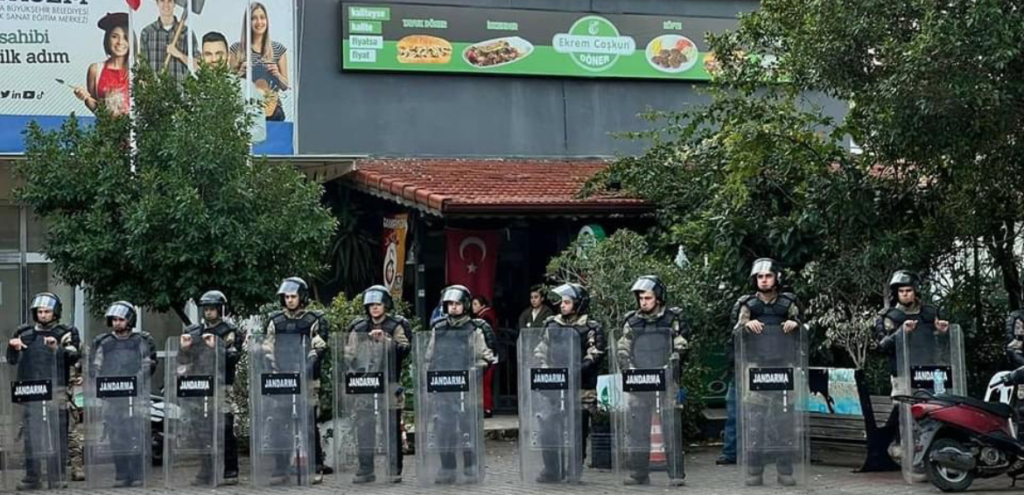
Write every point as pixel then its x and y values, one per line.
pixel 426 38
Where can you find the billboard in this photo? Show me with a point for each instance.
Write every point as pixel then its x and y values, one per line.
pixel 72 56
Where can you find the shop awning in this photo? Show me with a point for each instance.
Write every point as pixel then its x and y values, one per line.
pixel 491 187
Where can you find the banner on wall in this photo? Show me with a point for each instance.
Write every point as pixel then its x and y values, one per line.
pixel 395 229
pixel 70 57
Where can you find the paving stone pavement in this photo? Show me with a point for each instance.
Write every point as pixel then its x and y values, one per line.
pixel 703 478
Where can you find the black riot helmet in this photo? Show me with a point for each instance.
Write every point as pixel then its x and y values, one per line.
pixel 378 294
pixel 765 265
pixel 577 293
pixel 903 278
pixel 46 300
pixel 294 286
pixel 650 283
pixel 457 293
pixel 216 299
pixel 121 309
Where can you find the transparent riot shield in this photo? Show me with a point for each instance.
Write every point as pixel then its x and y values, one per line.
pixel 927 360
pixel 365 407
pixel 647 436
pixel 194 411
pixel 281 406
pixel 34 444
pixel 771 376
pixel 118 447
pixel 549 405
pixel 449 409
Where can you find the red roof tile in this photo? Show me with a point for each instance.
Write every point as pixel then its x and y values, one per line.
pixel 498 186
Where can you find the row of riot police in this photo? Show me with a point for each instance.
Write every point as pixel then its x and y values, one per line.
pixel 558 375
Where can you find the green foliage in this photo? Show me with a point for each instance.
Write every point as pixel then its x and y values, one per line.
pixel 609 268
pixel 158 207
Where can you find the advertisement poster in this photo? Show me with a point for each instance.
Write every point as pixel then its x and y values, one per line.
pixel 396 227
pixel 69 57
pixel 397 37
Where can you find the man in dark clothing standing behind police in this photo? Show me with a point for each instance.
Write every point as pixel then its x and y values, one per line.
pixel 643 345
pixel 63 343
pixel 381 325
pixel 294 320
pixel 214 304
pixel 1015 338
pixel 767 306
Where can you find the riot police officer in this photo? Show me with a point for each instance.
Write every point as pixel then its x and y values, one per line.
pixel 653 336
pixel 768 307
pixel 294 319
pixel 454 421
pixel 573 316
pixel 63 342
pixel 1015 338
pixel 905 312
pixel 122 352
pixel 381 324
pixel 202 337
pixel 908 322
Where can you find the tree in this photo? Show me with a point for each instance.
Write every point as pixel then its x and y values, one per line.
pixel 158 207
pixel 936 92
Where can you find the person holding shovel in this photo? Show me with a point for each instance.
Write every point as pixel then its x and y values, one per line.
pixel 164 43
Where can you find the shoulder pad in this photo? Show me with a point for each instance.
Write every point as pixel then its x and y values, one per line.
pixel 65 328
pixel 788 295
pixel 549 320
pixel 400 319
pixel 480 323
pixel 893 313
pixel 22 329
pixel 593 324
pixel 630 314
pixel 357 322
pixel 744 298
pixel 146 336
pixel 99 340
pixel 194 328
pixel 675 311
pixel 1019 314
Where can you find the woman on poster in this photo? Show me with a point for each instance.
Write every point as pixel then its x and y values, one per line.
pixel 107 81
pixel 268 60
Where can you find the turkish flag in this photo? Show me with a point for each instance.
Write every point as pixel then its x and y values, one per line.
pixel 471 259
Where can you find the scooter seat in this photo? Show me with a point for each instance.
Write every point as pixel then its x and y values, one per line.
pixel 996 408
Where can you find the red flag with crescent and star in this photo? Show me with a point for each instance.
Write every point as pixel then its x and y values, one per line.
pixel 471 259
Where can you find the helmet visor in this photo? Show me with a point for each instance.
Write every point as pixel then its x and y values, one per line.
pixel 44 301
pixel 373 297
pixel 119 310
pixel 452 295
pixel 565 291
pixel 643 285
pixel 762 266
pixel 288 288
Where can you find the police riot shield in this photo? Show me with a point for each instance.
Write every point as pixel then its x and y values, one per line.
pixel 771 376
pixel 34 449
pixel 927 360
pixel 647 436
pixel 281 407
pixel 449 409
pixel 194 411
pixel 118 448
pixel 549 405
pixel 365 407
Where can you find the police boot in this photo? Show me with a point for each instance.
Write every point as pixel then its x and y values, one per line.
pixel 445 477
pixel 77 474
pixel 364 478
pixel 26 484
pixel 635 479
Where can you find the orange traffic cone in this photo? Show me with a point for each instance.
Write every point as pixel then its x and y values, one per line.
pixel 658 459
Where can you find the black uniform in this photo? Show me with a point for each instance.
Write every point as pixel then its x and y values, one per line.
pixel 399 330
pixel 652 341
pixel 36 361
pixel 133 355
pixel 199 356
pixel 771 348
pixel 313 326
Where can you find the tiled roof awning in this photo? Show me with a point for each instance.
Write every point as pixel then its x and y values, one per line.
pixel 498 187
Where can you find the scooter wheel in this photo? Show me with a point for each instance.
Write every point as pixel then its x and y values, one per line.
pixel 944 478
